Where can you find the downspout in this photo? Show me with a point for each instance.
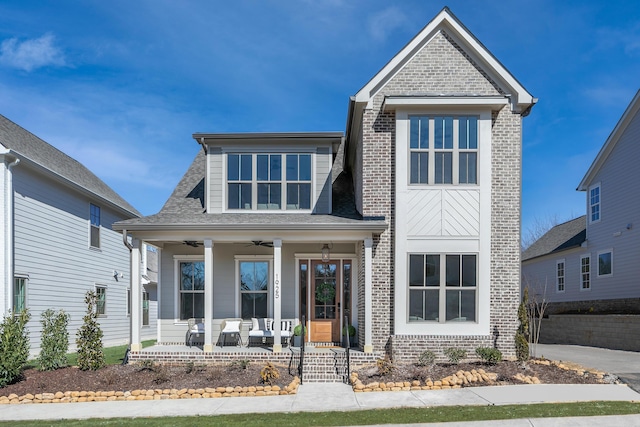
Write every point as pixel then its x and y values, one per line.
pixel 9 242
pixel 201 142
pixel 129 246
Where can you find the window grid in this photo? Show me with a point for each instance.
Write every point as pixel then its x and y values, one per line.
pixel 443 150
pixel 94 219
pixel 191 289
pixel 585 272
pixel 254 288
pixel 594 204
pixel 19 294
pixel 443 287
pixel 101 301
pixel 560 276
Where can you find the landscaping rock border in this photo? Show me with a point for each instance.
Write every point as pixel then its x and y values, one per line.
pixel 155 394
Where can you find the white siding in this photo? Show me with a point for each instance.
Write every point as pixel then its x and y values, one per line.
pixel 540 276
pixel 52 249
pixel 323 180
pixel 216 180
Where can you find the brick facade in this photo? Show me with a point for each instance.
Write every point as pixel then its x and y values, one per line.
pixel 441 67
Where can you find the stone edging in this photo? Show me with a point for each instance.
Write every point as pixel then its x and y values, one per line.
pixel 154 394
pixel 458 380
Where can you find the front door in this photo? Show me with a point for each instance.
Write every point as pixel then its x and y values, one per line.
pixel 325 301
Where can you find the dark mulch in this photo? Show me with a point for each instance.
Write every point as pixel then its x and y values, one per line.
pixel 506 370
pixel 129 377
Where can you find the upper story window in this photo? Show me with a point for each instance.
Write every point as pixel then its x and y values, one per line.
pixel 443 149
pixel 94 232
pixel 594 203
pixel 269 181
pixel 585 272
pixel 560 276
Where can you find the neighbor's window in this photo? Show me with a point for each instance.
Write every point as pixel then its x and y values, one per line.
pixel 443 287
pixel 585 272
pixel 605 263
pixel 101 301
pixel 254 288
pixel 560 276
pixel 19 294
pixel 278 181
pixel 94 214
pixel 443 149
pixel 594 203
pixel 191 289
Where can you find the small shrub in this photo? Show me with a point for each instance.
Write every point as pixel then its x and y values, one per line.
pixel 147 365
pixel 240 364
pixel 161 374
pixel 522 334
pixel 489 355
pixel 55 340
pixel 189 367
pixel 213 372
pixel 269 373
pixel 89 337
pixel 455 355
pixel 385 366
pixel 14 346
pixel 110 378
pixel 426 358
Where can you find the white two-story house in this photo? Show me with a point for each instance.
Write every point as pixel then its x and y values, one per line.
pixel 406 225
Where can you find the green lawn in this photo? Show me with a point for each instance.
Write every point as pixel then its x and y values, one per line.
pixel 380 416
pixel 112 355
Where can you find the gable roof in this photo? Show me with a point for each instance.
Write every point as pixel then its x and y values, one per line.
pixel 610 143
pixel 521 99
pixel 28 147
pixel 568 235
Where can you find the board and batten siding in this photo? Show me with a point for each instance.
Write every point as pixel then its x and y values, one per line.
pixel 323 180
pixel 51 249
pixel 619 208
pixel 217 179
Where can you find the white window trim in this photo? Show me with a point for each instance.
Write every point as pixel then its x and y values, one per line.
pixel 582 288
pixel 24 277
pixel 455 151
pixel 610 250
pixel 95 289
pixel 98 227
pixel 597 185
pixel 238 300
pixel 176 279
pixel 283 182
pixel 564 276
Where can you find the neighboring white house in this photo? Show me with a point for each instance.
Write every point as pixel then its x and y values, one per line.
pixel 407 223
pixel 57 240
pixel 592 263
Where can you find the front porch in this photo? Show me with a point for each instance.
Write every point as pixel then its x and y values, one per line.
pixel 321 364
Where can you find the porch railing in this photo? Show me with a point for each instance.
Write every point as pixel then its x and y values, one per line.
pixel 348 345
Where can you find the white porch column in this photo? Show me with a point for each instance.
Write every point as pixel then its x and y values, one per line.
pixel 208 295
pixel 277 295
pixel 368 317
pixel 136 295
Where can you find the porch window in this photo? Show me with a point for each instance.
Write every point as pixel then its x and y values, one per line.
pixel 145 306
pixel 191 289
pixel 254 288
pixel 443 287
pixel 443 150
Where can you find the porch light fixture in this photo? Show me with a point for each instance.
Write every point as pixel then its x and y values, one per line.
pixel 326 255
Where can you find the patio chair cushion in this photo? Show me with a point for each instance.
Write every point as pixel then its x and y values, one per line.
pixel 231 326
pixel 254 324
pixel 198 328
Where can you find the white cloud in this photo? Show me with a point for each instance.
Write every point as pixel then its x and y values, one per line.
pixel 383 23
pixel 31 54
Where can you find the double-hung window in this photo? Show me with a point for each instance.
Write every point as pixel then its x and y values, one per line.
pixel 101 301
pixel 585 272
pixel 443 287
pixel 560 276
pixel 254 288
pixel 443 150
pixel 19 294
pixel 191 289
pixel 269 181
pixel 594 203
pixel 94 232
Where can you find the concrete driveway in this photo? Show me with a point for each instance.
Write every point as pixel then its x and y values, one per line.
pixel 624 364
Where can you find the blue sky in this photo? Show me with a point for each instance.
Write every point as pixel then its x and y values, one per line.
pixel 122 85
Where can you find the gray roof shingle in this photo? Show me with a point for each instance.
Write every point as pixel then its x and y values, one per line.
pixel 563 236
pixel 29 146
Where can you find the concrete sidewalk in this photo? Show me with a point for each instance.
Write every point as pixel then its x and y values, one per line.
pixel 334 397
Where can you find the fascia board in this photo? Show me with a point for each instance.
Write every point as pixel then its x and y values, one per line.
pixel 370 226
pixel 611 142
pixel 445 19
pixel 493 102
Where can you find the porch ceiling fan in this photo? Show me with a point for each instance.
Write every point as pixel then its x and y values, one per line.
pixel 261 243
pixel 192 243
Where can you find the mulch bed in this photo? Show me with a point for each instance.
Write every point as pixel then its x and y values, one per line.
pixel 130 377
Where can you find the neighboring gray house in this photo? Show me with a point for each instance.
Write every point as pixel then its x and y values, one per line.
pixel 407 223
pixel 57 240
pixel 592 264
